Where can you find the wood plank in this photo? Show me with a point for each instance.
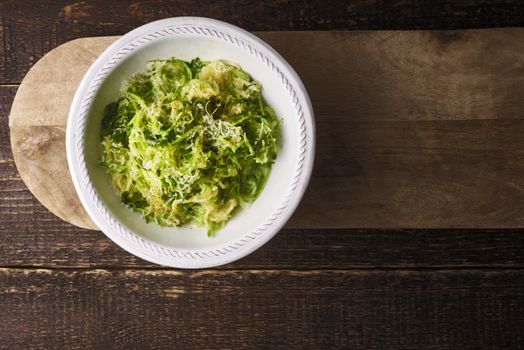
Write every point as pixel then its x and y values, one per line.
pixel 103 309
pixel 30 29
pixel 409 75
pixel 425 174
pixel 7 94
pixel 38 239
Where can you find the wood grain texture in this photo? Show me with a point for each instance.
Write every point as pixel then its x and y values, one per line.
pixel 417 308
pixel 38 121
pixel 399 128
pixel 40 240
pixel 29 29
pixel 409 75
pixel 252 309
pixel 7 95
pixel 428 174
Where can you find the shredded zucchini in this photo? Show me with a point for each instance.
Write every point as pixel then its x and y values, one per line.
pixel 189 142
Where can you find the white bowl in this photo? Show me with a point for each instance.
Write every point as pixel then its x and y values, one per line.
pixel 187 38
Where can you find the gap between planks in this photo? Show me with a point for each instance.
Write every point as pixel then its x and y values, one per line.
pixel 220 271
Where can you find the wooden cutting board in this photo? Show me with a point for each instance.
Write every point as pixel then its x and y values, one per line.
pixel 418 129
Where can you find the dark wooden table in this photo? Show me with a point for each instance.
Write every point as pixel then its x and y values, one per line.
pixel 62 287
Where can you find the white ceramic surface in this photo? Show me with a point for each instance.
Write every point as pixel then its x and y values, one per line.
pixel 186 38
